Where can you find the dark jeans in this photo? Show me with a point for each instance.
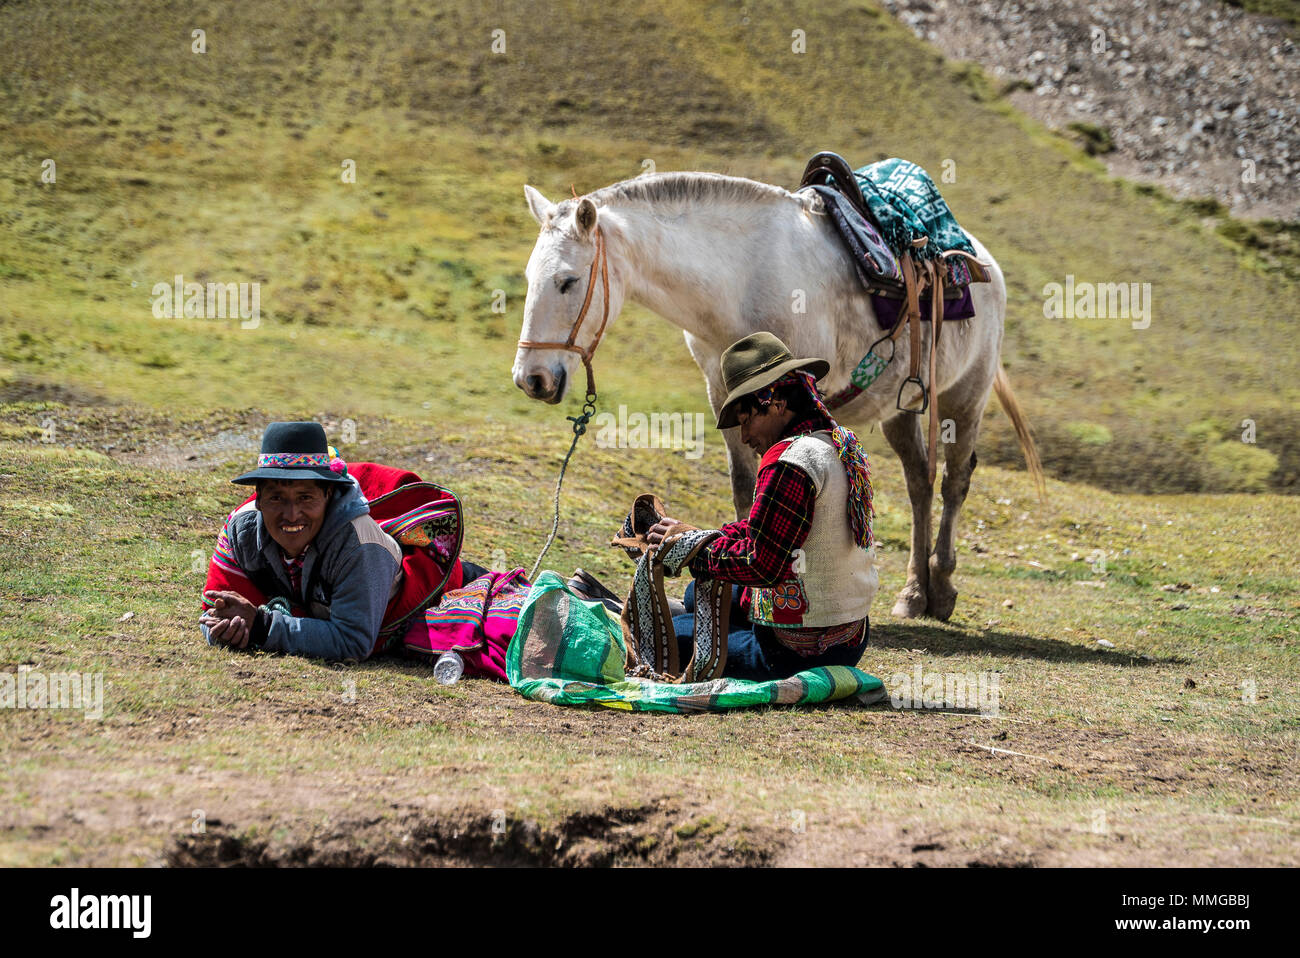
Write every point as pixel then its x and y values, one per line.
pixel 472 570
pixel 753 651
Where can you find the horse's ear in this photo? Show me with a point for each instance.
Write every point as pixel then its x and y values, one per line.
pixel 538 205
pixel 585 217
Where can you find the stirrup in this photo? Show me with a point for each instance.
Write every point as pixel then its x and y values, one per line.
pixel 925 396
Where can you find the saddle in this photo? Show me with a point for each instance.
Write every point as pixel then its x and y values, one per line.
pixel 908 274
pixel 878 263
pixel 647 619
pixel 829 176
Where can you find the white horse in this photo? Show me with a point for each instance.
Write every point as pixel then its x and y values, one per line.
pixel 722 257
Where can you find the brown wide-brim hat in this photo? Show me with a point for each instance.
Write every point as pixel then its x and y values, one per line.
pixel 758 360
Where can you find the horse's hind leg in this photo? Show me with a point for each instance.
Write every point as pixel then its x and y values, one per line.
pixel 903 433
pixel 959 463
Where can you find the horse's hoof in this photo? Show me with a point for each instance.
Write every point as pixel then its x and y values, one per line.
pixel 941 597
pixel 941 603
pixel 910 605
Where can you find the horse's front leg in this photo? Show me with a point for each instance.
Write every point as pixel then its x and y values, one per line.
pixel 744 472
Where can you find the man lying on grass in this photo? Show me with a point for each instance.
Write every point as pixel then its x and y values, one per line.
pixel 804 553
pixel 304 567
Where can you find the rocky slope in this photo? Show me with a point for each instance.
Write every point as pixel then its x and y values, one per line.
pixel 1197 96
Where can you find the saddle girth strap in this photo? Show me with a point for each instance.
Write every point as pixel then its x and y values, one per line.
pixel 913 315
pixel 936 272
pixel 912 318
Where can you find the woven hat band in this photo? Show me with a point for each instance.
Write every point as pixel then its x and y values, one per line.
pixel 292 460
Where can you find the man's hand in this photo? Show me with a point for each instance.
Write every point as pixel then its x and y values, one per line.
pixel 232 632
pixel 228 605
pixel 230 618
pixel 655 535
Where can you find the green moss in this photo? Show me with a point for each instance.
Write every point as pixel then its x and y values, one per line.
pixel 1287 10
pixel 1090 434
pixel 1095 140
pixel 1268 246
pixel 1206 206
pixel 1241 465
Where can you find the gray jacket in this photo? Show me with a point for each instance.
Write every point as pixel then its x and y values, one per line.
pixel 351 571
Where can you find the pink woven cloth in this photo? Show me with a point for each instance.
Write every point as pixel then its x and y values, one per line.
pixel 477 620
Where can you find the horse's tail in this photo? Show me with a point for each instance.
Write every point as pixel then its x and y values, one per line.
pixel 1002 386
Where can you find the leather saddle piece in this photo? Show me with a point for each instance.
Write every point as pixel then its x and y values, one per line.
pixel 647 615
pixel 910 211
pixel 647 510
pixel 831 169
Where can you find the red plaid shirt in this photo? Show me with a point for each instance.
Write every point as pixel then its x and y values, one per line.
pixel 293 567
pixel 757 551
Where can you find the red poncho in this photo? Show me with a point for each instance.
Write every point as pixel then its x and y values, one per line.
pixel 423 517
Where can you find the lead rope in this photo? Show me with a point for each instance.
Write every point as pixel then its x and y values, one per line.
pixel 579 427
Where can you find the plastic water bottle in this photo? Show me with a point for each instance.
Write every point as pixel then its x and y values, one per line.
pixel 449 668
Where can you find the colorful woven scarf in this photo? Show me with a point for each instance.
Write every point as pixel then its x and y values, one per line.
pixel 850 452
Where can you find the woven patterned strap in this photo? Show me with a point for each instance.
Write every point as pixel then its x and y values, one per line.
pixel 647 621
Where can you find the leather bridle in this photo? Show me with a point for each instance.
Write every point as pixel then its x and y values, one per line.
pixel 586 352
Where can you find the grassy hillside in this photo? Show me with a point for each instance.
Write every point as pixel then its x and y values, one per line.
pixel 225 166
pixel 1288 10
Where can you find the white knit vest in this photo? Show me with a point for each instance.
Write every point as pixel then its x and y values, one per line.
pixel 837 576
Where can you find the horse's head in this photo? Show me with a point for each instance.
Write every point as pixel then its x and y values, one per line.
pixel 563 273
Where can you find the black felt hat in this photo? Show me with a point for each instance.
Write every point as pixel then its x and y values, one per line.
pixel 293 450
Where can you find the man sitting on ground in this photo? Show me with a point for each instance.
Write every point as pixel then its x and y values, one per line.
pixel 804 555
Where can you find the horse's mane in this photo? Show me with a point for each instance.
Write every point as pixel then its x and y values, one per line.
pixel 682 189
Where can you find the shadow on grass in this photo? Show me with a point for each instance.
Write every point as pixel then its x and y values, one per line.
pixel 939 639
pixel 935 639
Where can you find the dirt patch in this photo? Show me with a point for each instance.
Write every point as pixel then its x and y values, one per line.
pixel 654 834
pixel 1138 760
pixel 904 845
pixel 132 434
pixel 140 437
pixel 31 391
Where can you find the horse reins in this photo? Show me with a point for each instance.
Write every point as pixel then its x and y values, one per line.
pixel 586 352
